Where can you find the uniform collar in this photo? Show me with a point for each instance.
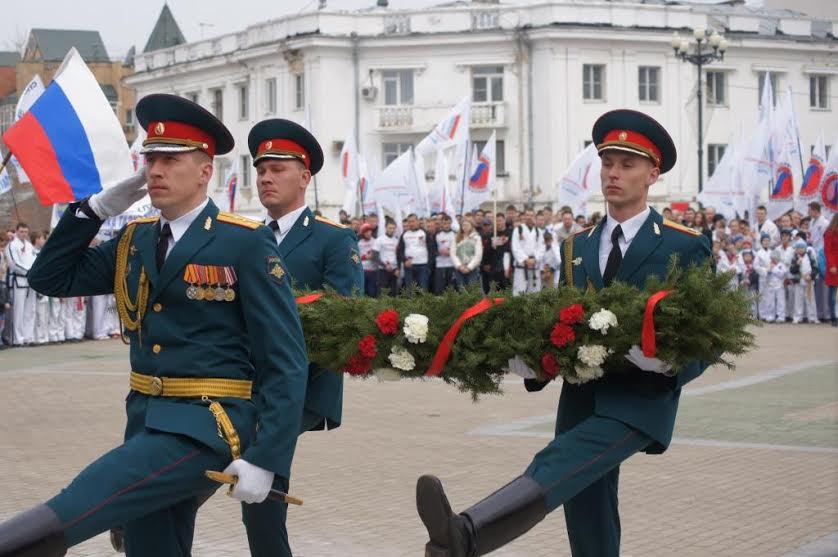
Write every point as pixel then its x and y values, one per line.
pixel 630 227
pixel 181 224
pixel 286 221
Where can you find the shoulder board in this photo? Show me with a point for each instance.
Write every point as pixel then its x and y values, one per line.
pixel 144 220
pixel 330 222
pixel 238 220
pixel 588 230
pixel 680 227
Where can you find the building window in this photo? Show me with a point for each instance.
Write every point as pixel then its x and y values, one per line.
pixel 715 152
pixel 246 169
pixel 500 155
pixel 299 91
pixel 716 89
pixel 593 81
pixel 223 169
pixel 218 103
pixel 270 95
pixel 244 101
pixel 129 118
pixel 485 20
pixel 398 87
pixel 774 86
pixel 487 84
pixel 819 92
pixel 648 79
pixel 192 96
pixel 392 151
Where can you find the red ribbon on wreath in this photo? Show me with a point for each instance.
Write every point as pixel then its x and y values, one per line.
pixel 308 298
pixel 647 339
pixel 444 350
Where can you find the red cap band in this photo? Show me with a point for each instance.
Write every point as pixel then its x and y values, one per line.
pixel 283 147
pixel 178 133
pixel 631 140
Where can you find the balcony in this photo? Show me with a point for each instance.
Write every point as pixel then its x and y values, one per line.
pixel 422 119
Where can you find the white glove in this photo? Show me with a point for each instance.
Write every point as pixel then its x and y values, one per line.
pixel 517 366
pixel 254 483
pixel 635 356
pixel 116 199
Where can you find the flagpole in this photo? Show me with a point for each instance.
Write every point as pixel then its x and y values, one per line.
pixel 5 161
pixel 466 169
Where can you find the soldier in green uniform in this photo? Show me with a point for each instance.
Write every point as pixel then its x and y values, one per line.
pixel 208 309
pixel 603 422
pixel 317 253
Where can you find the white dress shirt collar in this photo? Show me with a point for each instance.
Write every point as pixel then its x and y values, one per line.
pixel 630 227
pixel 286 222
pixel 180 225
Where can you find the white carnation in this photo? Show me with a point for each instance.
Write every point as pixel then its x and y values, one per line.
pixel 401 359
pixel 602 320
pixel 588 373
pixel 416 328
pixel 592 355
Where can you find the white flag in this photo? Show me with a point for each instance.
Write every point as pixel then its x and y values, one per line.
pixel 28 96
pixel 393 188
pixel 451 130
pixel 757 165
pixel 785 145
pixel 828 197
pixel 419 186
pixel 723 190
pixel 137 159
pixel 481 183
pixel 580 180
pixel 231 183
pixel 812 178
pixel 349 172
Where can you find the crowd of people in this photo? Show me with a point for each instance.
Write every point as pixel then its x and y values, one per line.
pixel 789 264
pixel 28 318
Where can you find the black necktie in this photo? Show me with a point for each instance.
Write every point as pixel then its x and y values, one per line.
pixel 163 245
pixel 614 257
pixel 273 225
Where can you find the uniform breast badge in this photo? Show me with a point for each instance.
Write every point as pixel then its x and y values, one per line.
pixel 656 228
pixel 577 261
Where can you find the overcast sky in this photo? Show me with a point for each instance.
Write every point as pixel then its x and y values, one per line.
pixel 125 23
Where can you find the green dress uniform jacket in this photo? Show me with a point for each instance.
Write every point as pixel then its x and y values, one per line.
pixel 319 253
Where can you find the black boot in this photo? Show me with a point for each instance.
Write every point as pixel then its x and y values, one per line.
pixel 34 533
pixel 490 524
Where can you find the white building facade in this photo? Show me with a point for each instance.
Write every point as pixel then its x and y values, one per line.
pixel 539 75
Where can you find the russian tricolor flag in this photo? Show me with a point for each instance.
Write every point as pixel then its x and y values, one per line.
pixel 70 142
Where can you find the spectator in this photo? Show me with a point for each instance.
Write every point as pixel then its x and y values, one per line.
pixel 388 272
pixel 466 254
pixel 444 271
pixel 830 248
pixel 413 253
pixel 567 228
pixel 369 260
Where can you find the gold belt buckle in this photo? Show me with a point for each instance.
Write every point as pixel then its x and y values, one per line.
pixel 156 386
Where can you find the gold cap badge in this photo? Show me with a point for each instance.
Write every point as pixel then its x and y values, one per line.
pixel 623 136
pixel 159 128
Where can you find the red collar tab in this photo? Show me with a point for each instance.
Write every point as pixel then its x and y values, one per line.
pixel 284 147
pixel 178 133
pixel 631 140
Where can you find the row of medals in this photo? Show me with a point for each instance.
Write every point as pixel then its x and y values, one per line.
pixel 210 294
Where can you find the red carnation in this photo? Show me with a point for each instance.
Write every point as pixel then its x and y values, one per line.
pixel 549 365
pixel 388 322
pixel 572 314
pixel 562 334
pixel 357 365
pixel 366 347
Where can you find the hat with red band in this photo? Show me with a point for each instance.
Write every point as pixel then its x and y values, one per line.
pixel 176 125
pixel 283 139
pixel 633 132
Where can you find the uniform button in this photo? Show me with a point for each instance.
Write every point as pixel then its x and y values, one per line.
pixel 156 348
pixel 157 307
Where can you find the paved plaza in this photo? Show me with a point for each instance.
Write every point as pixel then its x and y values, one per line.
pixel 753 470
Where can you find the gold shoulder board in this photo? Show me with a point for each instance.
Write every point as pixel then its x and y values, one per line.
pixel 238 220
pixel 144 220
pixel 680 227
pixel 330 222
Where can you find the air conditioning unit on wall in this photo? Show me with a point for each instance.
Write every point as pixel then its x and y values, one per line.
pixel 369 92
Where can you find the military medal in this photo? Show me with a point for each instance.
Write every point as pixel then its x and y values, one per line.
pixel 230 276
pixel 191 276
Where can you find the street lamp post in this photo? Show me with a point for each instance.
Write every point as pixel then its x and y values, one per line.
pixel 701 57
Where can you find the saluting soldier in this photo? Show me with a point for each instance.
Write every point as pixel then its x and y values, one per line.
pixel 208 310
pixel 603 422
pixel 317 253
